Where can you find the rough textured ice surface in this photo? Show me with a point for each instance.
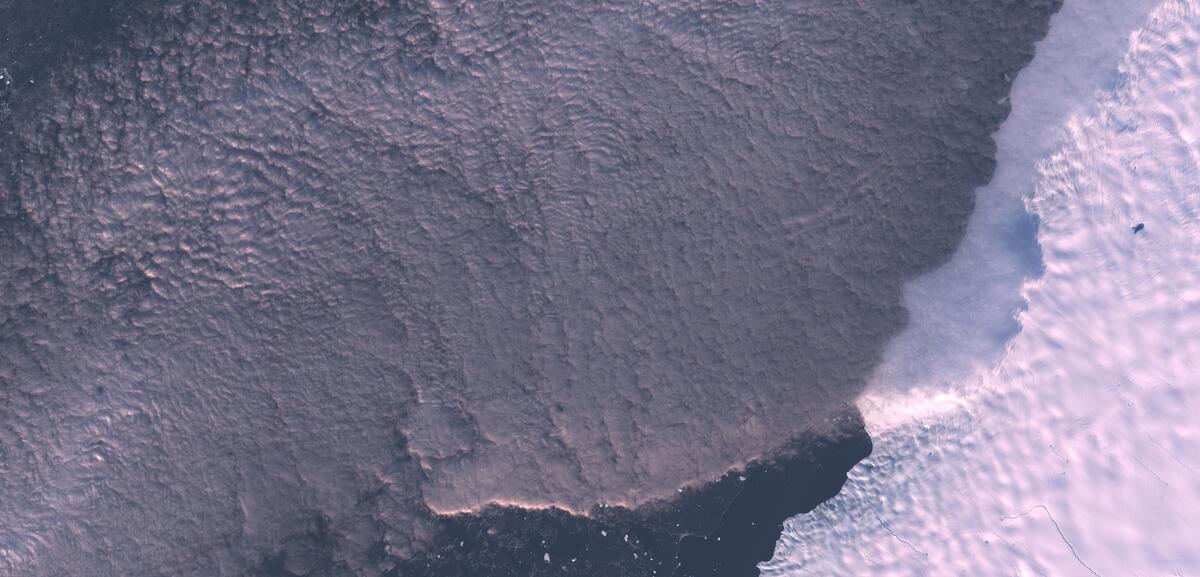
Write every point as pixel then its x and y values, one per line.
pixel 284 281
pixel 1078 451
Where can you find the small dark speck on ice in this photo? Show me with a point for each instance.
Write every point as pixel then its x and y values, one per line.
pixel 1138 227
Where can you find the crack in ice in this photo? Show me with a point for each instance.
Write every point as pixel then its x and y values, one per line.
pixel 901 539
pixel 1060 534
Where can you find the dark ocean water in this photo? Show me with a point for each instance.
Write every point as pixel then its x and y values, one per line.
pixel 285 284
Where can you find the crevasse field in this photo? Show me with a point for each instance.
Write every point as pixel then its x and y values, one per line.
pixel 1064 443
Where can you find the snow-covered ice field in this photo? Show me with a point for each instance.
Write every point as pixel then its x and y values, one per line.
pixel 1067 442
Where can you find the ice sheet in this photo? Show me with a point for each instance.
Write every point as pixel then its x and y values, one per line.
pixel 1077 451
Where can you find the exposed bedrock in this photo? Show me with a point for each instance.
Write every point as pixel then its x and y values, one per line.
pixel 363 262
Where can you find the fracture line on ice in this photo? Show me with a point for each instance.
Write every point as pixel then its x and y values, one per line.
pixel 899 538
pixel 1060 534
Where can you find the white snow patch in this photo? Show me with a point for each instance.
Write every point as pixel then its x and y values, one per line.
pixel 1074 448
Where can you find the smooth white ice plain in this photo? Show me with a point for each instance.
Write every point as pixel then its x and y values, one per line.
pixel 1071 447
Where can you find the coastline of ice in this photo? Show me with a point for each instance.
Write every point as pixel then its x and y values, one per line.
pixel 1070 448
